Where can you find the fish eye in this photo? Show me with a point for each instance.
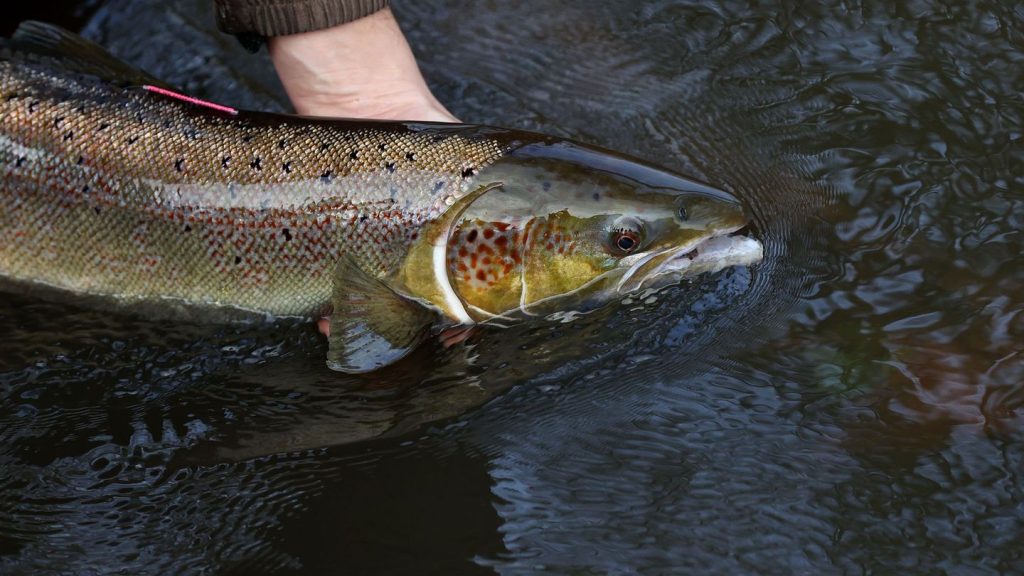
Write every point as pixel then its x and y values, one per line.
pixel 626 241
pixel 626 235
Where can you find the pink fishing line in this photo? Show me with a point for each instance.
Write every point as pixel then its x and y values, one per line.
pixel 190 99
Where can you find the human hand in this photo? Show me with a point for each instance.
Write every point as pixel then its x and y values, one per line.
pixel 362 69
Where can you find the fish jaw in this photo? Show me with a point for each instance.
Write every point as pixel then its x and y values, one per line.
pixel 706 256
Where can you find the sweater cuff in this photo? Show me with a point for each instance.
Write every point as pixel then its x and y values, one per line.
pixel 277 18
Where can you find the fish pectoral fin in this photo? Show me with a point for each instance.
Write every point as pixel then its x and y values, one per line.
pixel 372 326
pixel 75 54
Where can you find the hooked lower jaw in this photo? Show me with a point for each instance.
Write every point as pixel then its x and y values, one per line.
pixel 709 255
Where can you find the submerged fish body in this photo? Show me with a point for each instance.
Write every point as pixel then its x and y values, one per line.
pixel 116 190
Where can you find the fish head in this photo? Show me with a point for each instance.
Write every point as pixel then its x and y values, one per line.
pixel 551 226
pixel 571 227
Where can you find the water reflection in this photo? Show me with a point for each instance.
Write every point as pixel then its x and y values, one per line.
pixel 852 405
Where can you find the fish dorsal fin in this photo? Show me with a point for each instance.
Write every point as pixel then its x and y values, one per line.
pixel 372 326
pixel 75 54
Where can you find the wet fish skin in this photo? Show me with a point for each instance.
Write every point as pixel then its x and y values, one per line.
pixel 114 188
pixel 130 194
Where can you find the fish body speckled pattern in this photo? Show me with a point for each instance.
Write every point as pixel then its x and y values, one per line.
pixel 115 187
pixel 119 191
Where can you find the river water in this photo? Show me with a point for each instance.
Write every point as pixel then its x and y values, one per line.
pixel 851 405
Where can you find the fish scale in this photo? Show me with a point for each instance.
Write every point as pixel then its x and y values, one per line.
pixel 174 200
pixel 118 186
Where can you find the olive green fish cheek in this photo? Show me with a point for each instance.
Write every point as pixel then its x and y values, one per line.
pixel 563 254
pixel 135 195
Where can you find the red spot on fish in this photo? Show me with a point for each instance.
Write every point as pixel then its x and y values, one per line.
pixel 481 275
pixel 463 252
pixel 488 233
pixel 501 241
pixel 485 249
pixel 462 267
pixel 486 261
pixel 471 237
pixel 465 277
pixel 550 246
pixel 561 249
pixel 502 226
pixel 472 261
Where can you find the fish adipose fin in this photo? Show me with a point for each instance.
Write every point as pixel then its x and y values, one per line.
pixel 74 54
pixel 372 326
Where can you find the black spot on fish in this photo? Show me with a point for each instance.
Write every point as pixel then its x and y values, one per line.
pixel 471 237
pixel 364 218
pixel 167 124
pixel 96 209
pixel 57 121
pixel 85 189
pixel 69 135
pixel 287 167
pixel 410 156
pixel 469 172
pixel 81 160
pixel 104 125
pixel 326 176
pixel 246 138
pixel 12 96
pixel 188 228
pixel 354 155
pixel 390 167
pixel 32 105
pixel 438 185
pixel 19 161
pixel 238 259
pixel 256 164
pixel 324 146
pixel 225 161
pixel 287 234
pixel 282 144
pixel 546 186
pixel 438 138
pixel 132 139
pixel 179 164
pixel 81 109
pixel 597 196
pixel 382 146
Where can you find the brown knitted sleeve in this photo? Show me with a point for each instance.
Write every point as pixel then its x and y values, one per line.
pixel 282 17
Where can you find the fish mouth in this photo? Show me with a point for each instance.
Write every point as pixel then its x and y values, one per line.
pixel 710 254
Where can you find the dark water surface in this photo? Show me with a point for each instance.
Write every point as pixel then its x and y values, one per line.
pixel 852 405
